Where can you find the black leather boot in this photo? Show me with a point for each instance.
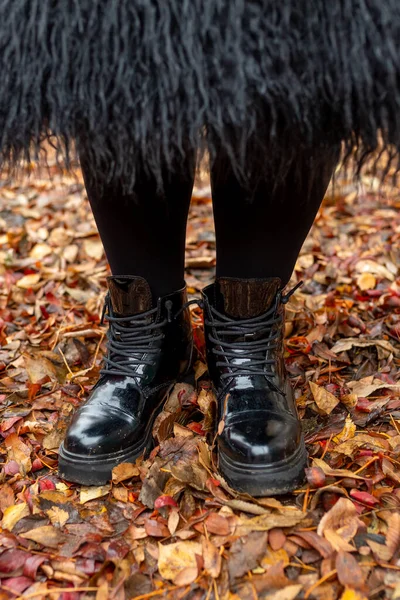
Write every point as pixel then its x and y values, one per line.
pixel 260 444
pixel 149 347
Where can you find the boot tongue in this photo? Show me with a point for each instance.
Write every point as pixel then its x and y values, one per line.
pixel 129 295
pixel 246 298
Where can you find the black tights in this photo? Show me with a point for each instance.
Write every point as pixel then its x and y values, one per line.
pixel 258 234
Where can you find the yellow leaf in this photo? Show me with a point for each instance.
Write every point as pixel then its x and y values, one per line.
pixel 39 251
pixel 92 493
pixel 58 516
pixel 366 281
pixel 350 594
pixel 347 432
pixel 13 514
pixel 274 556
pixel 323 399
pixel 93 248
pixel 28 281
pixel 174 558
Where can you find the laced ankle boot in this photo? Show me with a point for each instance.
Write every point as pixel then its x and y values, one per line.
pixel 149 348
pixel 260 444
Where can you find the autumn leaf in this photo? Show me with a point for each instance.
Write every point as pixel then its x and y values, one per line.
pixel 325 401
pixel 174 558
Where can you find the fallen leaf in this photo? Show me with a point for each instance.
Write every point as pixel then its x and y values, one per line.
pixel 288 593
pixel 217 524
pixel 269 521
pixel 338 516
pixel 366 281
pixel 19 452
pixel 187 576
pixel 57 516
pixel 93 248
pixel 28 281
pixel 246 552
pixel 13 514
pixel 47 535
pixel 351 594
pixel 174 558
pixel 124 471
pixel 323 399
pixel 91 493
pixel 349 571
pixel 212 558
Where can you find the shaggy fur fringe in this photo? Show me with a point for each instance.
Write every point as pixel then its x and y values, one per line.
pixel 148 83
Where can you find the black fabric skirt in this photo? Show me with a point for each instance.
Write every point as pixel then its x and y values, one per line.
pixel 153 82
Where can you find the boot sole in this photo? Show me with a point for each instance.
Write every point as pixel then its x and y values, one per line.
pixel 265 480
pixel 97 470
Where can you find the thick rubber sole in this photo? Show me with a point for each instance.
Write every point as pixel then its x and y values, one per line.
pixel 265 480
pixel 97 469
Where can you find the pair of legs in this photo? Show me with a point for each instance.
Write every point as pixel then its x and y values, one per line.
pixel 259 230
pixel 259 233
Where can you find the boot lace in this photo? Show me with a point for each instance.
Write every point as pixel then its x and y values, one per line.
pixel 132 341
pixel 258 337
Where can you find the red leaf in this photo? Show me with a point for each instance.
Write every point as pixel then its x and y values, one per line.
pixel 46 484
pixel 315 477
pixel 162 501
pixel 155 528
pixel 32 564
pixel 17 584
pixel 364 497
pixel 37 465
pixel 197 428
pixel 11 468
pixel 217 524
pixel 12 560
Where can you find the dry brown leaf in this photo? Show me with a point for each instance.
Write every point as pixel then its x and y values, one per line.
pixel 349 571
pixel 269 521
pixel 18 451
pixel 47 535
pixel 57 516
pixel 338 516
pixel 174 558
pixel 383 347
pixel 173 521
pixel 187 576
pixel 217 524
pixel 361 440
pixel 337 542
pixel 318 462
pixel 325 401
pixel 393 533
pixel 212 558
pixel 92 492
pixel 124 471
pixel 288 593
pixel 367 386
pixel 40 368
pixel 246 552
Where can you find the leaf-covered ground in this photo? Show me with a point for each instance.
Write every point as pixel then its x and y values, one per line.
pixel 169 527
